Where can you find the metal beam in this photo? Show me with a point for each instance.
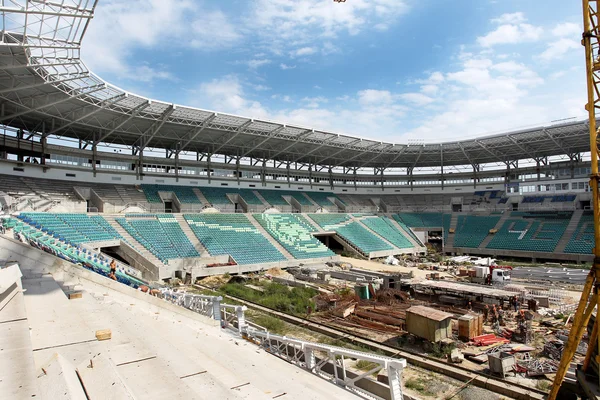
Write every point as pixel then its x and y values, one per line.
pixel 133 113
pixel 301 135
pixel 198 131
pixel 40 107
pixel 97 109
pixel 239 130
pixel 156 127
pixel 269 137
pixel 314 149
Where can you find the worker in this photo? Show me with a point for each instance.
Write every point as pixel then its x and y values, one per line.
pixel 486 312
pixel 469 306
pixel 517 304
pixel 494 316
pixel 501 317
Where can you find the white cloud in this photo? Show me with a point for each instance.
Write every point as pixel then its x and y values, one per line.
pixel 284 25
pixel 510 18
pixel 261 88
pixel 317 87
pixel 371 96
pixel 304 51
pixel 559 48
pixel 314 102
pixel 511 34
pixel 418 99
pixel 285 67
pixel 567 29
pixel 227 94
pixel 254 64
pixel 149 24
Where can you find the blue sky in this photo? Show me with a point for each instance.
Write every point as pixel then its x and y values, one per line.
pixel 393 70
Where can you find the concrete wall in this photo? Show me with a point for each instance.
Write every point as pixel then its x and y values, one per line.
pixel 534 255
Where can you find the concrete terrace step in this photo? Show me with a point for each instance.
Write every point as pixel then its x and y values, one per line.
pixel 185 227
pixel 408 236
pixel 200 196
pixel 313 223
pixel 566 237
pixel 270 238
pixel 261 198
pixel 377 234
pixel 314 203
pixel 453 224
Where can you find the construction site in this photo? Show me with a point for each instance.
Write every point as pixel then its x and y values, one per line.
pixel 514 330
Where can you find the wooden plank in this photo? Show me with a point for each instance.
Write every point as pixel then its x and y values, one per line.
pixel 104 334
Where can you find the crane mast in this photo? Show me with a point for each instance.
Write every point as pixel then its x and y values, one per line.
pixel 589 296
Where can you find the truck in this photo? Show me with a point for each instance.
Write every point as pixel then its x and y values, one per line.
pixel 492 274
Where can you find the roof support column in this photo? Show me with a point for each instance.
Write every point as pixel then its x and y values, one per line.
pixel 310 175
pixel 177 161
pixel 329 171
pixel 287 170
pixel 354 179
pixel 409 172
pixel 263 170
pixel 141 164
pixel 442 164
pixel 475 178
pixel 95 152
pixel 208 170
pixel 237 170
pixel 44 143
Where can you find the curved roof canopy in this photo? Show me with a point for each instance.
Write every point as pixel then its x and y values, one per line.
pixel 45 87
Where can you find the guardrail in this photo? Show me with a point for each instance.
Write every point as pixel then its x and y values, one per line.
pixel 327 362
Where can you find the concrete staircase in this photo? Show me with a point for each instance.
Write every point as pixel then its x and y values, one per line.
pixel 566 237
pixel 274 242
pixel 453 224
pixel 200 196
pixel 123 194
pixel 499 225
pixel 262 199
pixel 185 227
pixel 314 203
pixel 407 235
pixel 130 239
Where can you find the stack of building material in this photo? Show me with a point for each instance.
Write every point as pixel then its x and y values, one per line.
pixel 489 339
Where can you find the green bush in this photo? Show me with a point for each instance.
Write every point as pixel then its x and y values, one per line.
pixel 273 325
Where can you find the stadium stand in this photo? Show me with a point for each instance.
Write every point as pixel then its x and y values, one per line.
pixel 216 195
pixel 471 230
pixel 161 235
pixel 235 235
pixel 361 238
pixel 531 231
pixel 385 229
pixel 293 232
pixel 405 228
pixel 185 194
pixel 72 228
pixel 322 198
pixel 582 240
pixel 421 220
pixel 329 221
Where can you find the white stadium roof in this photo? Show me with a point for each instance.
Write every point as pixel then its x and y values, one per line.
pixel 46 88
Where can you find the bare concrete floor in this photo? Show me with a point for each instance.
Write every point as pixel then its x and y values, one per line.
pixel 157 353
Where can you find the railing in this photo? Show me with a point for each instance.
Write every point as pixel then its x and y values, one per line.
pixel 327 362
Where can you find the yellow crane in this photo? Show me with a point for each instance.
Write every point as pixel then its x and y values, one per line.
pixel 590 40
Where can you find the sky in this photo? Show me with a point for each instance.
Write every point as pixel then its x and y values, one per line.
pixel 392 70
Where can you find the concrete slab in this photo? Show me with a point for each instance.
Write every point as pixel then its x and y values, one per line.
pixel 151 379
pixel 101 381
pixel 17 373
pixel 14 305
pixel 52 320
pixel 58 380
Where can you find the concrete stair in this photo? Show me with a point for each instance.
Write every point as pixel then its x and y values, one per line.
pixel 262 199
pixel 453 224
pixel 566 237
pixel 200 196
pixel 499 224
pixel 409 237
pixel 314 203
pixel 270 238
pixel 123 194
pixel 313 223
pixel 185 227
pixel 131 240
